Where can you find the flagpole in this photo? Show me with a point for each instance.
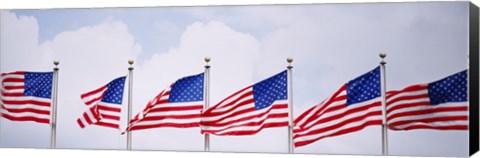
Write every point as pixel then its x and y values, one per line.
pixel 207 98
pixel 290 106
pixel 384 105
pixel 130 84
pixel 53 121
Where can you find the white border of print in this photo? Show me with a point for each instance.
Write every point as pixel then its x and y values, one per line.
pixel 43 4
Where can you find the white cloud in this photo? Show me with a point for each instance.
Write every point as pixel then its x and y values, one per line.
pixel 214 39
pixel 24 48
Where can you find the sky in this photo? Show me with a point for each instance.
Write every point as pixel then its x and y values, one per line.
pixel 330 43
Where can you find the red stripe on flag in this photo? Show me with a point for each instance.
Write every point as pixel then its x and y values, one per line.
pixel 412 88
pixel 237 112
pixel 20 80
pixel 234 95
pixel 13 73
pixel 406 105
pixel 276 106
pixel 251 132
pixel 80 123
pixel 25 118
pixel 180 108
pixel 94 92
pixel 111 109
pixel 93 100
pixel 209 112
pixel 159 125
pixel 392 101
pixel 188 116
pixel 448 127
pixel 14 87
pixel 303 115
pixel 105 124
pixel 341 132
pixel 23 102
pixel 431 120
pixel 427 111
pixel 25 110
pixel 110 117
pixel 12 94
pixel 87 118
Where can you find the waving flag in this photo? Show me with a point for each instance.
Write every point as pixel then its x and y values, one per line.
pixel 104 105
pixel 178 106
pixel 353 107
pixel 248 111
pixel 441 105
pixel 26 96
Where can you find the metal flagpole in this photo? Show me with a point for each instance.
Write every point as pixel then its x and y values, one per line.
pixel 207 98
pixel 384 105
pixel 53 121
pixel 290 106
pixel 130 84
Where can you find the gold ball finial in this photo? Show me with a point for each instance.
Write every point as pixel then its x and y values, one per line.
pixel 383 55
pixel 131 62
pixel 289 59
pixel 207 59
pixel 56 62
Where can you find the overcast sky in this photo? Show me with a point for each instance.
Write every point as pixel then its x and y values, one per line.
pixel 330 44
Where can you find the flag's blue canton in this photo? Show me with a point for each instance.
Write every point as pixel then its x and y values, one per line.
pixel 114 93
pixel 38 84
pixel 364 88
pixel 450 89
pixel 270 90
pixel 187 89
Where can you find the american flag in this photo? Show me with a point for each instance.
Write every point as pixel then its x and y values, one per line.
pixel 104 105
pixel 26 96
pixel 248 111
pixel 441 105
pixel 356 105
pixel 178 106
